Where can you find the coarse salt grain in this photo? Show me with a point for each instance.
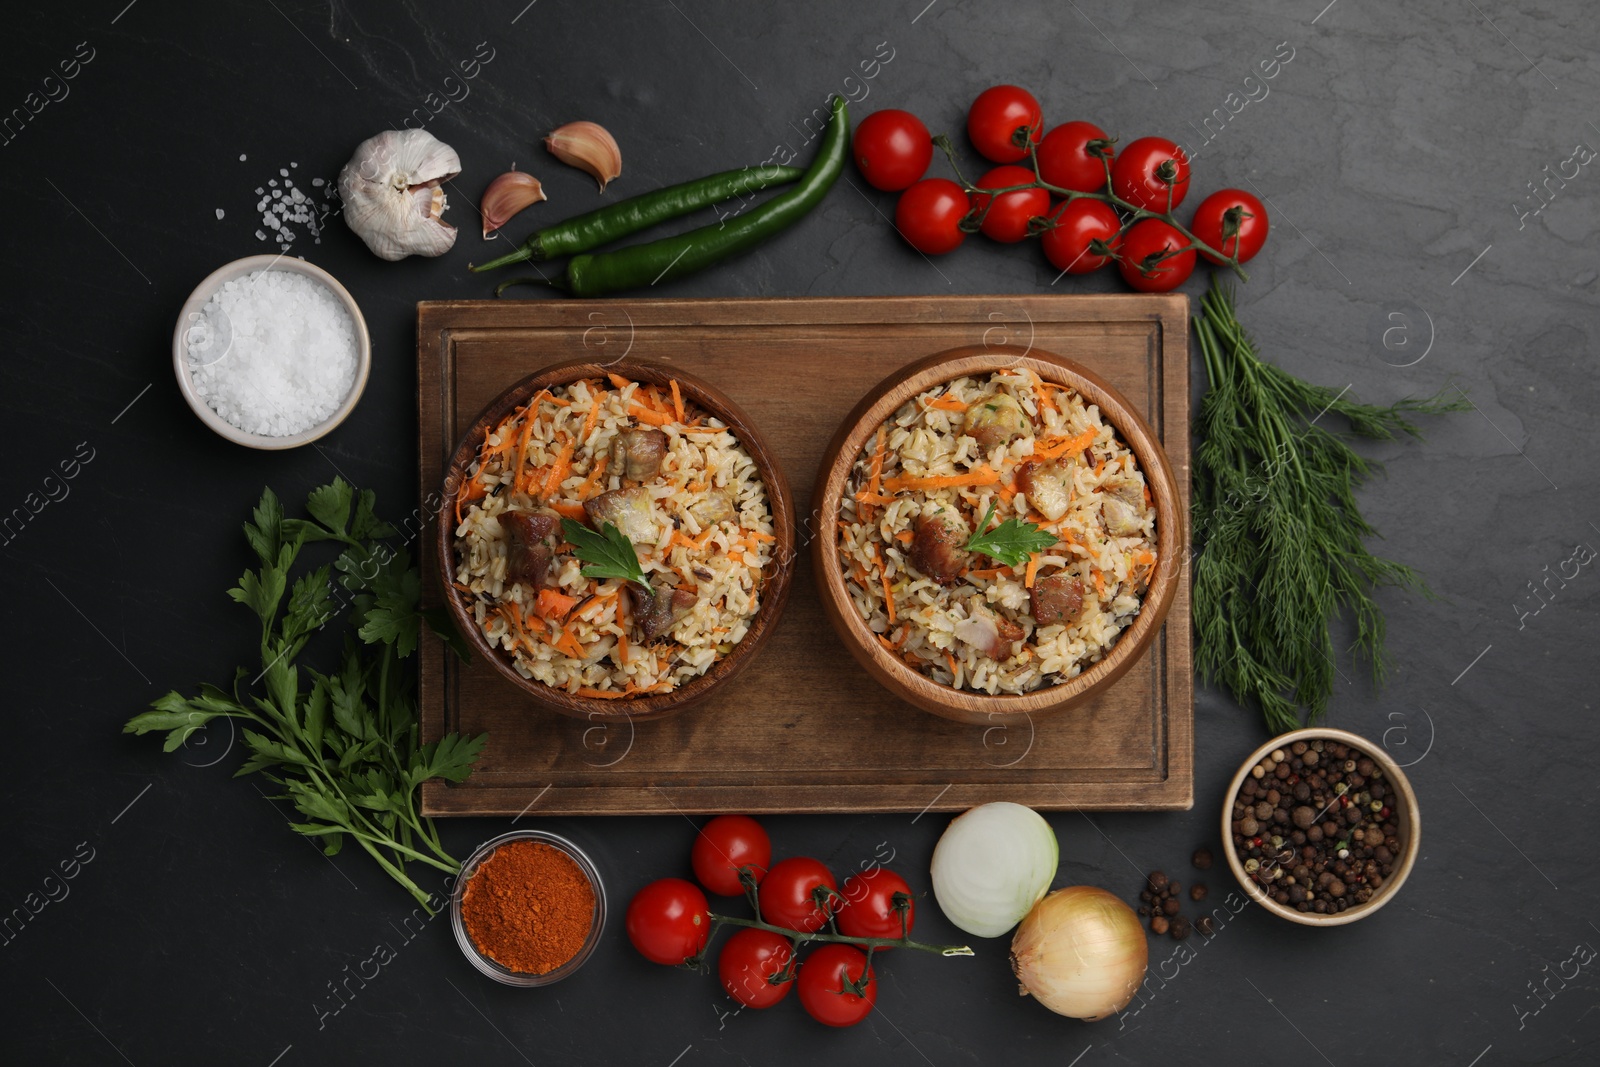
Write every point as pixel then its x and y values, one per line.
pixel 273 353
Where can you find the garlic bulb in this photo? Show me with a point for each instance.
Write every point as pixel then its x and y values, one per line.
pixel 391 193
pixel 588 147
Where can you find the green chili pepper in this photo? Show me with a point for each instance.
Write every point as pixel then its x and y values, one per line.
pixel 685 253
pixel 615 221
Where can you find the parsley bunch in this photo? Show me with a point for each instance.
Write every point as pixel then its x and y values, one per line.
pixel 1282 538
pixel 343 746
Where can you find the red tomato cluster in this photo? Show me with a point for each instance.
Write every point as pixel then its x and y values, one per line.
pixel 893 149
pixel 669 921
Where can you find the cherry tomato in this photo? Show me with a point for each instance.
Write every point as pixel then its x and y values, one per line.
pixel 1235 210
pixel 1007 220
pixel 1146 169
pixel 786 894
pixel 929 216
pixel 1064 159
pixel 868 909
pixel 748 960
pixel 822 981
pixel 995 117
pixel 1077 224
pixel 892 149
pixel 1142 244
pixel 725 844
pixel 669 921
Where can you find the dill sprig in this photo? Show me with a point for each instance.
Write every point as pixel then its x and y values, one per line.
pixel 1280 537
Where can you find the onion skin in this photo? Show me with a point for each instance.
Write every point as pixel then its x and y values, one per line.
pixel 1081 953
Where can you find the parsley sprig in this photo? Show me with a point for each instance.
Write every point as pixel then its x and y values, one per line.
pixel 343 746
pixel 609 553
pixel 1012 542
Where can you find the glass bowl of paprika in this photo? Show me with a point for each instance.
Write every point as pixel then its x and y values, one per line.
pixel 528 908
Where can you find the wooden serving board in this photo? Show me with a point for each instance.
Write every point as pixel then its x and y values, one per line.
pixel 805 729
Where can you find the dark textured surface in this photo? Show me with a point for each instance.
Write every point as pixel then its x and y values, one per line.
pixel 1395 147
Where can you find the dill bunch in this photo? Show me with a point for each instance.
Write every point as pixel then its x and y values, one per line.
pixel 1280 538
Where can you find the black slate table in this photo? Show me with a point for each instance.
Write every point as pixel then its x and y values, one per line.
pixel 1435 221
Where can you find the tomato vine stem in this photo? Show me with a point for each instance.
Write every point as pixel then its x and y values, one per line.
pixel 1137 213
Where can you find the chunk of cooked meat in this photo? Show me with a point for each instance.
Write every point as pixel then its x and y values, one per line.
pixel 712 507
pixel 994 635
pixel 1057 598
pixel 657 612
pixel 996 419
pixel 629 509
pixel 530 544
pixel 1048 486
pixel 1121 519
pixel 636 454
pixel 1130 489
pixel 937 545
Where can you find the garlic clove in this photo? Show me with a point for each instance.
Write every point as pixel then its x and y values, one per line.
pixel 588 147
pixel 507 195
pixel 392 196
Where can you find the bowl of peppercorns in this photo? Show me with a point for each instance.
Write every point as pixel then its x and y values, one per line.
pixel 1321 827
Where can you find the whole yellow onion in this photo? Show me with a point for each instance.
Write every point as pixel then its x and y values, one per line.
pixel 1081 953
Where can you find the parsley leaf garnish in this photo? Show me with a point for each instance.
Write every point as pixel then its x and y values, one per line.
pixel 609 553
pixel 1012 542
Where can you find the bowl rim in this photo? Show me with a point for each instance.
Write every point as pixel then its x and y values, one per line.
pixel 494 970
pixel 1411 825
pixel 776 577
pixel 878 405
pixel 197 300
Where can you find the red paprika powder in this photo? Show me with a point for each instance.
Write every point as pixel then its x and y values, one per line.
pixel 529 907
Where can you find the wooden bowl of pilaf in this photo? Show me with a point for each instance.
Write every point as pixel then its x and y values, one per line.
pixel 566 476
pixel 1033 457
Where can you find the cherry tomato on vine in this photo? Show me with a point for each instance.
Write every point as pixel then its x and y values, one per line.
pixel 1146 169
pixel 1231 210
pixel 1077 224
pixel 994 118
pixel 749 959
pixel 1007 220
pixel 725 844
pixel 669 921
pixel 928 215
pixel 892 149
pixel 786 894
pixel 823 978
pixel 1064 159
pixel 869 905
pixel 1141 262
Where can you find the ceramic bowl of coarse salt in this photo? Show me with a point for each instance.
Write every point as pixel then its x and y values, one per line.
pixel 271 352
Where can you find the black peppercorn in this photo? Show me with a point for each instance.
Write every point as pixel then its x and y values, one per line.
pixel 1170 906
pixel 1180 928
pixel 1197 891
pixel 1205 925
pixel 1202 859
pixel 1158 925
pixel 1157 881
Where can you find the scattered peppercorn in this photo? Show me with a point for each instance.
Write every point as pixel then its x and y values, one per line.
pixel 1158 924
pixel 1197 892
pixel 1180 928
pixel 1204 925
pixel 1202 859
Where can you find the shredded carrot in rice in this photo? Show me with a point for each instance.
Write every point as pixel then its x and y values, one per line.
pixel 948 403
pixel 574 512
pixel 644 414
pixel 677 400
pixel 619 381
pixel 595 472
pixel 905 537
pixel 1064 445
pixel 985 475
pixel 948 658
pixel 875 474
pixel 883 576
pixel 559 470
pixel 1032 571
pixel 1099 584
